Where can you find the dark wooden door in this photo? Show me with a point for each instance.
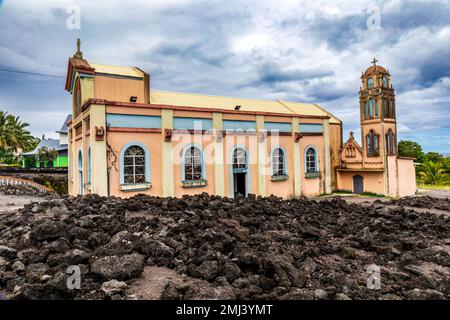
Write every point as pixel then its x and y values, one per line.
pixel 358 186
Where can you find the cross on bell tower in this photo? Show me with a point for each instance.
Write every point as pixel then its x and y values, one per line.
pixel 374 62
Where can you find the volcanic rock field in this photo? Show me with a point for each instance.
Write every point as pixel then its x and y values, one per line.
pixel 204 246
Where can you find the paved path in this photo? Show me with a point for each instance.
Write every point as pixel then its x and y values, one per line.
pixel 11 203
pixel 364 200
pixel 434 193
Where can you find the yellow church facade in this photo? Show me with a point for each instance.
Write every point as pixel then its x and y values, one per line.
pixel 125 139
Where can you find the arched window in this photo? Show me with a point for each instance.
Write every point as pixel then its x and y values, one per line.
pixel 80 173
pixel 370 108
pixel 278 162
pixel 77 97
pixel 376 108
pixel 193 164
pixel 89 166
pixel 390 143
pixel 366 112
pixel 134 165
pixel 372 144
pixel 311 160
pixel 239 159
pixel 370 83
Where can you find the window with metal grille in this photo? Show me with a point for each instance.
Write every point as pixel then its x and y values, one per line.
pixel 193 164
pixel 239 159
pixel 390 142
pixel 278 162
pixel 134 165
pixel 311 160
pixel 372 144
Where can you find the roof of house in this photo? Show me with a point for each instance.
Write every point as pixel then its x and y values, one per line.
pixel 52 144
pixel 216 102
pixel 117 70
pixel 64 128
pixel 229 103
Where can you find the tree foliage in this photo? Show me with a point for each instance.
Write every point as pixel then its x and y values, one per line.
pixel 46 155
pixel 13 133
pixel 431 172
pixel 433 168
pixel 407 148
pixel 14 136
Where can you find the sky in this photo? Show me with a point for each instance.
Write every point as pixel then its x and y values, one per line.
pixel 306 51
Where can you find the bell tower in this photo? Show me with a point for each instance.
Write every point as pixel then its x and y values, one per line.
pixel 377 116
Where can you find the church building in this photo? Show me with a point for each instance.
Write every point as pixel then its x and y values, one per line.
pixel 126 138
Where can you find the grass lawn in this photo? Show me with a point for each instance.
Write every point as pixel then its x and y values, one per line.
pixel 433 187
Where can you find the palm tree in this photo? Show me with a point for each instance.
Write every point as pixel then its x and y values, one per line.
pixel 431 172
pixel 13 133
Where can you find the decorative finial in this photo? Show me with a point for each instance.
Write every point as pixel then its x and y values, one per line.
pixel 374 62
pixel 351 135
pixel 78 54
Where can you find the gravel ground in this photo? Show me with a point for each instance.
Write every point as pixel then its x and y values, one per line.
pixel 9 203
pixel 434 193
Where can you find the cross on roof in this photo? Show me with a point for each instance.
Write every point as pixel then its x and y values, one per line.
pixel 374 62
pixel 78 54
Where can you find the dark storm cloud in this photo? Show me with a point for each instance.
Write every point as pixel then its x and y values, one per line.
pixel 414 14
pixel 274 73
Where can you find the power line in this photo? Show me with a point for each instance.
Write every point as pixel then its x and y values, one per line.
pixel 31 73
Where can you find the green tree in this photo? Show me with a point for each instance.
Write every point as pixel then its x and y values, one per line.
pixel 446 164
pixel 431 172
pixel 46 155
pixel 434 157
pixel 13 134
pixel 407 148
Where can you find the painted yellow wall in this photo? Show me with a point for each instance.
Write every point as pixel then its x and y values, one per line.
pixel 119 89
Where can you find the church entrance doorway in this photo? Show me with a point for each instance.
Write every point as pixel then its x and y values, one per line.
pixel 239 184
pixel 358 186
pixel 239 172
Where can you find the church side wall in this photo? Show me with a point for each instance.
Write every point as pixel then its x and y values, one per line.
pixel 392 176
pixel 119 89
pixel 335 147
pixel 117 140
pixel 406 177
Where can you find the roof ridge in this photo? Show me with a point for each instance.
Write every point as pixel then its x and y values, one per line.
pixel 110 65
pixel 285 105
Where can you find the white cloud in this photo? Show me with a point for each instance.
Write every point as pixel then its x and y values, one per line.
pixel 297 50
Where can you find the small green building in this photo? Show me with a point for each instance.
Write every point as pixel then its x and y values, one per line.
pixel 60 145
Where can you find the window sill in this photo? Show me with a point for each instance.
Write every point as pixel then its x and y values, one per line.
pixel 312 175
pixel 135 187
pixel 279 178
pixel 194 183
